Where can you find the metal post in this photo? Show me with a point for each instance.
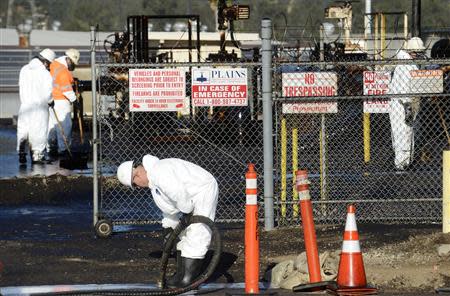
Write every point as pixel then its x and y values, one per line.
pixel 323 162
pixel 383 36
pixel 416 18
pixel 375 39
pixel 368 18
pixel 322 137
pixel 94 126
pixel 321 43
pixel 266 52
pixel 405 26
pixel 446 191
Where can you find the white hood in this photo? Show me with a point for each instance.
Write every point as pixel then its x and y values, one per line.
pixel 36 64
pixel 148 161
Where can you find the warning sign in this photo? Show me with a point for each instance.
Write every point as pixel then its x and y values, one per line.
pixel 427 81
pixel 309 84
pixel 313 107
pixel 219 87
pixel 156 89
pixel 376 83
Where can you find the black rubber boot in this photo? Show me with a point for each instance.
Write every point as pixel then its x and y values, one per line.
pixel 22 158
pixel 175 278
pixel 22 153
pixel 192 269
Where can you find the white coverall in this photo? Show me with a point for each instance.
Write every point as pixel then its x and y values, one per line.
pixel 35 88
pixel 63 110
pixel 179 186
pixel 402 132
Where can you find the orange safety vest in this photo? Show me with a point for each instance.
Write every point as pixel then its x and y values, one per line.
pixel 62 80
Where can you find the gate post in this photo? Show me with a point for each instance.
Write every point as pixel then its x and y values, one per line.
pixel 266 53
pixel 94 126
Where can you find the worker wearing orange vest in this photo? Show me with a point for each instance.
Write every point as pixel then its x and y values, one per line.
pixel 63 96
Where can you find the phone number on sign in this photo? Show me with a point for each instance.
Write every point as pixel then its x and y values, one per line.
pixel 220 102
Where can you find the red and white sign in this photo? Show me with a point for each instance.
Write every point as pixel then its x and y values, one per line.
pixel 376 83
pixel 309 84
pixel 427 81
pixel 219 87
pixel 313 107
pixel 156 89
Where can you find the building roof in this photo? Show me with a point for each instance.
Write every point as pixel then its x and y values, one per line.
pixel 47 38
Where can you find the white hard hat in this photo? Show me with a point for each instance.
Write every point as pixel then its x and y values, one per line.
pixel 48 54
pixel 415 44
pixel 125 173
pixel 73 54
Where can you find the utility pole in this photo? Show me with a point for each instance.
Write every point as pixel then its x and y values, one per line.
pixel 189 7
pixel 416 18
pixel 368 17
pixel 9 13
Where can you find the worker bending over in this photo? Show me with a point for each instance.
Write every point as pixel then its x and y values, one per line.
pixel 178 187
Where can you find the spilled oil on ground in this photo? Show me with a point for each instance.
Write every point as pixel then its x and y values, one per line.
pixel 47 238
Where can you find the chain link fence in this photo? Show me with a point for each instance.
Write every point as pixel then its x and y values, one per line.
pixel 220 139
pixel 368 132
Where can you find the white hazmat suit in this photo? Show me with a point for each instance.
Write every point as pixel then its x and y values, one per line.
pixel 402 113
pixel 35 88
pixel 179 186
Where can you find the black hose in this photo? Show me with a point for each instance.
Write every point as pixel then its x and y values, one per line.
pixel 216 242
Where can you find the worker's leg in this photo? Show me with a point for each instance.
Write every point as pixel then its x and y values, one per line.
pixel 52 140
pixel 63 110
pixel 38 132
pixel 402 134
pixel 22 133
pixel 197 237
pixel 195 240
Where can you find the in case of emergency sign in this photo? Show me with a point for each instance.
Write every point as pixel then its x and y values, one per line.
pixel 376 83
pixel 156 89
pixel 309 84
pixel 219 87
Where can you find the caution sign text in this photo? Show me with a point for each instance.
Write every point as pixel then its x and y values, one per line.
pixel 426 81
pixel 376 83
pixel 309 84
pixel 310 107
pixel 156 89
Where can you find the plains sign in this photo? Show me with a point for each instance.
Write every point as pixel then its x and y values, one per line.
pixel 219 87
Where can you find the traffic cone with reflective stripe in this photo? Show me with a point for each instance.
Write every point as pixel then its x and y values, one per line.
pixel 351 273
pixel 251 232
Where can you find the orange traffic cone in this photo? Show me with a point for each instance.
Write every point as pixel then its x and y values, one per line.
pixel 351 274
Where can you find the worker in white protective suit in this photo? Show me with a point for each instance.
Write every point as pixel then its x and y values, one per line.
pixel 35 89
pixel 403 110
pixel 64 97
pixel 178 187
